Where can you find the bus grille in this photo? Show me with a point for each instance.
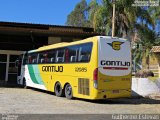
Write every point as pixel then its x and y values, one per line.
pixel 83 86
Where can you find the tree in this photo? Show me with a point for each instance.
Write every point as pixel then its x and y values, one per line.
pixel 155 15
pixel 148 35
pixel 144 46
pixel 92 8
pixel 102 18
pixel 148 39
pixel 78 17
pixel 125 17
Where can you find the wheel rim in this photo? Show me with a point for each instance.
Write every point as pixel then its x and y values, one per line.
pixel 69 90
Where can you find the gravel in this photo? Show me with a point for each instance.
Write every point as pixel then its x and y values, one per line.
pixel 31 101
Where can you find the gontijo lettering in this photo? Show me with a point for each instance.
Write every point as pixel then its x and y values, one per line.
pixel 115 63
pixel 52 68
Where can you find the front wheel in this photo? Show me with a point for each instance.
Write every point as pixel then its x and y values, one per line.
pixel 68 91
pixel 24 83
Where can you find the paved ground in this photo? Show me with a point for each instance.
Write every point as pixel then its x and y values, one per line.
pixel 30 101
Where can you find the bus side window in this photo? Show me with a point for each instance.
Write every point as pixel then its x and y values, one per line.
pixel 51 56
pixel 85 52
pixel 29 59
pixel 60 56
pixel 84 58
pixel 73 59
pixel 41 58
pixel 45 55
pixel 73 50
pixel 32 58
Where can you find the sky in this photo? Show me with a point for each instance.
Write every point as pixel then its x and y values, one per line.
pixel 36 11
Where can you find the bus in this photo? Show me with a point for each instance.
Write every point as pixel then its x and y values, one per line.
pixel 94 68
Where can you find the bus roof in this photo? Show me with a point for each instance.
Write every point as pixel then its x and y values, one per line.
pixel 63 44
pixel 53 45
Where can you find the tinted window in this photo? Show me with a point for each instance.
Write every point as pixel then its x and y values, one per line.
pixel 51 56
pixel 32 58
pixel 73 53
pixel 60 54
pixel 84 52
pixel 43 57
pixel 70 54
pixel 80 53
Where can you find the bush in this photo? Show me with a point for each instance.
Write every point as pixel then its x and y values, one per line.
pixel 144 74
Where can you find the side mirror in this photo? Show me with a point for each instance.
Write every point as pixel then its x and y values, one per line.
pixel 16 63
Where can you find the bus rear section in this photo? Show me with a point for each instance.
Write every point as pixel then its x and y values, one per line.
pixel 112 78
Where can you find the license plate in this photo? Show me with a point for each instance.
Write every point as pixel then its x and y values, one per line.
pixel 115 91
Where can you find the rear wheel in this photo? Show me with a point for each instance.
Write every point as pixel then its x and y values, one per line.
pixel 68 91
pixel 58 90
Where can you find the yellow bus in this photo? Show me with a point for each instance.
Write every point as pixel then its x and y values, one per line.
pixel 94 68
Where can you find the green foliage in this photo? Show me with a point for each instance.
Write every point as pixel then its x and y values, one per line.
pixel 155 15
pixel 78 16
pixel 124 21
pixel 83 14
pixel 148 36
pixel 92 8
pixel 148 39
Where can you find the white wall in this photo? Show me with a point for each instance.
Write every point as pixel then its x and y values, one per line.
pixel 145 87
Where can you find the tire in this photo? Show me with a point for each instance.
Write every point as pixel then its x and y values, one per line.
pixel 58 90
pixel 68 91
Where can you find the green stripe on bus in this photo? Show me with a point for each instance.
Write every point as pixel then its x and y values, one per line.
pixel 38 77
pixel 32 74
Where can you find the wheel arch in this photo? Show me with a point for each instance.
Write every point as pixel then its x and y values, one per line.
pixel 65 85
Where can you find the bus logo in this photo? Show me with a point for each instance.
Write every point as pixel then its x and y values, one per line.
pixel 116 45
